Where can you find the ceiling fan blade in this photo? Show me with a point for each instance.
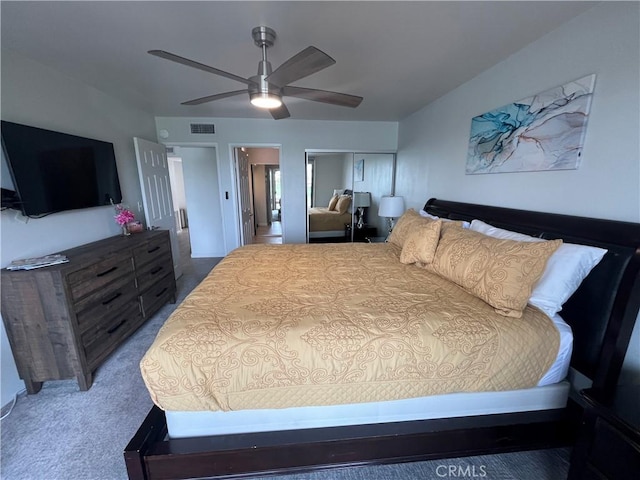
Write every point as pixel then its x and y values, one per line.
pixel 308 61
pixel 279 113
pixel 211 98
pixel 199 66
pixel 324 96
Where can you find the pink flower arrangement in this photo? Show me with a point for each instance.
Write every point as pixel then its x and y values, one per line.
pixel 123 215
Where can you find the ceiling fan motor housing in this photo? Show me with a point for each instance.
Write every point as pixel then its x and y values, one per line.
pixel 263 36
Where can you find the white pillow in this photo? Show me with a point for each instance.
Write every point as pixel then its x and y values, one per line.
pixel 338 191
pixel 433 217
pixel 566 269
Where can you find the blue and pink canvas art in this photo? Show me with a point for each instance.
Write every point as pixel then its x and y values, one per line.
pixel 542 132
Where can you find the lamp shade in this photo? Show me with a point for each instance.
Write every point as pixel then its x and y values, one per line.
pixel 391 206
pixel 361 199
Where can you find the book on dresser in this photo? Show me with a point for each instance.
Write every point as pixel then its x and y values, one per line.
pixel 64 319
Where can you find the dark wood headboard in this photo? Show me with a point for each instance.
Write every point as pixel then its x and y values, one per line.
pixel 603 311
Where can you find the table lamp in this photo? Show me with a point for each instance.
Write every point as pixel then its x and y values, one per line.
pixel 391 207
pixel 361 200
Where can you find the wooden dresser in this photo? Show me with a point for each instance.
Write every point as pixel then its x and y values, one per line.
pixel 64 320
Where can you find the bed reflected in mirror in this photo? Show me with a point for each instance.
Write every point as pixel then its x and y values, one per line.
pixel 343 195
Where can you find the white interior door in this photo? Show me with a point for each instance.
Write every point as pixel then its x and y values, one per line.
pixel 244 198
pixel 153 171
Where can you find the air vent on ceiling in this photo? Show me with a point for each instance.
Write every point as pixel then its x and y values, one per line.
pixel 203 128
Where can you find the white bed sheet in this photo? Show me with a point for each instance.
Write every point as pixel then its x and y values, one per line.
pixel 560 368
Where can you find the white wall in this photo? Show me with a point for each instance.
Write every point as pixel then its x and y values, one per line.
pixel 433 142
pixel 378 177
pixel 263 156
pixel 177 183
pixel 203 201
pixel 330 175
pixel 293 137
pixel 37 95
pixel 432 145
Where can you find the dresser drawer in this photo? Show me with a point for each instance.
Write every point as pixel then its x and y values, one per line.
pixel 150 273
pixel 99 306
pixel 153 249
pixel 97 275
pixel 158 294
pixel 102 339
pixel 116 288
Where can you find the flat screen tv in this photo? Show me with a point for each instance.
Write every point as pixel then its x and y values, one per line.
pixel 54 172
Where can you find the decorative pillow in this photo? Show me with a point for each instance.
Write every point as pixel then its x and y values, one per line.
pixel 565 270
pixel 420 246
pixel 338 191
pixel 333 202
pixel 404 226
pixel 343 203
pixel 500 272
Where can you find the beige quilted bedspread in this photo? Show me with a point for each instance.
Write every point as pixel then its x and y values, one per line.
pixel 277 326
pixel 322 219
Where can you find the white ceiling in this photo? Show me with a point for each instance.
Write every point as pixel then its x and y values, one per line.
pixel 399 56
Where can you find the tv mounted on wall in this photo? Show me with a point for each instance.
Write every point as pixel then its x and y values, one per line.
pixel 54 172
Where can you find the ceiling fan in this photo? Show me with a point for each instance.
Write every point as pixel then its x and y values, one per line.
pixel 267 88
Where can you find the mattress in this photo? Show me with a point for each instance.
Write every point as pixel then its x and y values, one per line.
pixel 196 424
pixel 281 326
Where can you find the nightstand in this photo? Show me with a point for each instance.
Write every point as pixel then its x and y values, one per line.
pixel 608 445
pixel 363 234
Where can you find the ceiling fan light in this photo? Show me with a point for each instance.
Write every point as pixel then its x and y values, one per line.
pixel 266 100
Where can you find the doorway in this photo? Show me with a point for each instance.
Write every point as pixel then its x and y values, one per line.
pixel 176 178
pixel 196 198
pixel 259 194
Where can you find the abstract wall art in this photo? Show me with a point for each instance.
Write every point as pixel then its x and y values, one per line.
pixel 358 170
pixel 542 132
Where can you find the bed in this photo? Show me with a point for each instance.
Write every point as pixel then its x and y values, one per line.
pixel 325 223
pixel 328 224
pixel 396 429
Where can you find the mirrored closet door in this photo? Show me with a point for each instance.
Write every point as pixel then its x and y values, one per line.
pixel 343 195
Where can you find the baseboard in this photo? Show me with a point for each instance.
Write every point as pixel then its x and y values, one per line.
pixel 11 403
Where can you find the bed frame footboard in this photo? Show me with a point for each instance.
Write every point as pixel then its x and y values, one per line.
pixel 152 456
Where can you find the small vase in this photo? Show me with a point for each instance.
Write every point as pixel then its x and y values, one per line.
pixel 125 231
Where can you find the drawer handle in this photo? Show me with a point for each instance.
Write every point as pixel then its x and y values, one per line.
pixel 157 247
pixel 156 270
pixel 112 269
pixel 106 302
pixel 113 329
pixel 161 292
